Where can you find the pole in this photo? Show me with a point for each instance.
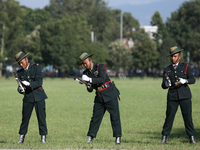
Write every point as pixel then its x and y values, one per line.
pixel 2 46
pixel 188 57
pixel 92 36
pixel 121 26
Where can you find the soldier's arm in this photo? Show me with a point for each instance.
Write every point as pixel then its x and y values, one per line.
pixel 164 80
pixel 101 75
pixel 38 79
pixel 190 77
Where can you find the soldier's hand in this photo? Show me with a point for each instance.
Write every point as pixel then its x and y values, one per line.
pixel 89 88
pixel 85 78
pixel 183 81
pixel 167 84
pixel 26 83
pixel 177 84
pixel 20 90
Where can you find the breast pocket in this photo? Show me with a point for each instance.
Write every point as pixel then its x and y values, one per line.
pixel 171 76
pixel 22 78
pixel 31 78
pixel 182 74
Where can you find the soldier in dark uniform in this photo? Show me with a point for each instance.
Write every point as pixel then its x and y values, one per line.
pixel 31 77
pixel 106 97
pixel 176 78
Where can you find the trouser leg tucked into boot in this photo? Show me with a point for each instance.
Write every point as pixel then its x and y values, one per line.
pixel 21 138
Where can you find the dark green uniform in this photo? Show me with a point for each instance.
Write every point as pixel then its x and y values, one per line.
pixel 34 96
pixel 105 99
pixel 178 96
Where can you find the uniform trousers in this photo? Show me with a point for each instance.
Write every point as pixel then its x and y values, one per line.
pixel 186 109
pixel 98 112
pixel 41 116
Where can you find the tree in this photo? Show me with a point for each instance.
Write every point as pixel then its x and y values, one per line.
pixel 99 18
pixel 33 18
pixel 184 26
pixel 61 8
pixel 162 39
pixel 10 23
pixel 167 43
pixel 100 52
pixel 32 45
pixel 145 54
pixel 129 23
pixel 120 55
pixel 63 40
pixel 96 12
pixel 156 20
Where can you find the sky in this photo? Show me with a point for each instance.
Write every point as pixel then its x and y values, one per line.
pixel 142 10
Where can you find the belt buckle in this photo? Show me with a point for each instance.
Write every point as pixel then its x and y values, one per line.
pixel 100 88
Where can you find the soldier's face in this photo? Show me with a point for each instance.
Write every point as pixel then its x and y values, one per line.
pixel 87 63
pixel 175 58
pixel 24 63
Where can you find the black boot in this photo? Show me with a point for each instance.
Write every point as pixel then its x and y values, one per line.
pixel 21 138
pixel 118 140
pixel 90 139
pixel 192 141
pixel 43 138
pixel 164 139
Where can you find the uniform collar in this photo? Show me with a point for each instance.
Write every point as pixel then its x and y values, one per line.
pixel 175 64
pixel 27 67
pixel 92 67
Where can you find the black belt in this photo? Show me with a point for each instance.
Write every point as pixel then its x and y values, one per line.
pixel 104 86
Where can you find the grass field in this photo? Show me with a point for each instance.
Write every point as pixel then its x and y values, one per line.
pixel 69 110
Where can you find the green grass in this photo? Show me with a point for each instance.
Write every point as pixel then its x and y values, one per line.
pixel 69 110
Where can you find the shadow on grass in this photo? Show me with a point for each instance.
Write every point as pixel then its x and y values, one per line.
pixel 3 142
pixel 180 133
pixel 177 134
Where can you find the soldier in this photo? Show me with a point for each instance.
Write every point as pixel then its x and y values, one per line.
pixel 31 77
pixel 176 78
pixel 105 99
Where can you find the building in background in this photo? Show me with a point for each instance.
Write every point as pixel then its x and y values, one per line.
pixel 150 30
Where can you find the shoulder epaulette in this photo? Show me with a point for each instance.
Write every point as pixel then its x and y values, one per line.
pixel 98 67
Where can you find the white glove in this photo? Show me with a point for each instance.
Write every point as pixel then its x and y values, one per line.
pixel 26 83
pixel 85 78
pixel 183 81
pixel 20 90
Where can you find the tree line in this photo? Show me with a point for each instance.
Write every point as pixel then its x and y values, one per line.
pixel 57 34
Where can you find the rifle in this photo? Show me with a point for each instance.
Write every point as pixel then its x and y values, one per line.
pixel 81 81
pixel 19 82
pixel 168 80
